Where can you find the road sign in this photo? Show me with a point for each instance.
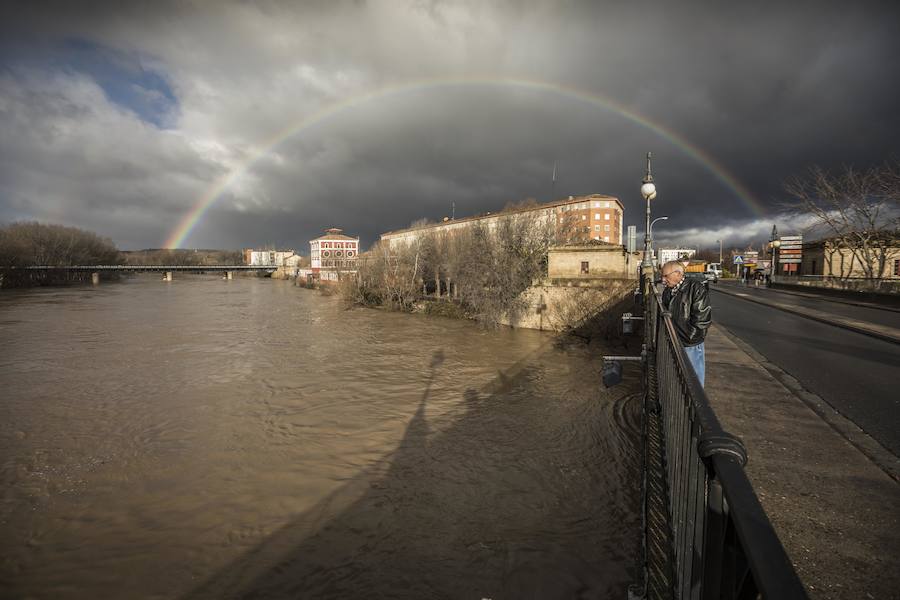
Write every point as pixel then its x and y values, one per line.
pixel 738 260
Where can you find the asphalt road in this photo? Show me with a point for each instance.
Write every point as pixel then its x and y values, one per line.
pixel 878 316
pixel 857 374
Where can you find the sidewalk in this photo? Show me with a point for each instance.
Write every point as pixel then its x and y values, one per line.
pixel 890 334
pixel 835 508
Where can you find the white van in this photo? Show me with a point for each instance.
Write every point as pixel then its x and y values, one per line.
pixel 714 271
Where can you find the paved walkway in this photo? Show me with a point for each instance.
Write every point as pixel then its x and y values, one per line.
pixel 831 491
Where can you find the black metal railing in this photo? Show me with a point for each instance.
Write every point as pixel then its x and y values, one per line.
pixel 721 543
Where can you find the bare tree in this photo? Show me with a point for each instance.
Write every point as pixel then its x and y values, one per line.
pixel 32 243
pixel 859 210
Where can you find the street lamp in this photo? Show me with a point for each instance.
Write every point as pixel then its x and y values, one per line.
pixel 648 191
pixel 720 253
pixel 654 221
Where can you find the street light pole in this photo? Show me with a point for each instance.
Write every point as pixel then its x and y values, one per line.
pixel 648 191
pixel 774 242
pixel 720 253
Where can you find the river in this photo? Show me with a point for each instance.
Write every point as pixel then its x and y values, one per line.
pixel 204 438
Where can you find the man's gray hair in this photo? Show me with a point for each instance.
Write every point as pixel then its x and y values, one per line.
pixel 674 265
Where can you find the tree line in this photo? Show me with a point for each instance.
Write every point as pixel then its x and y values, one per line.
pixel 483 267
pixel 26 244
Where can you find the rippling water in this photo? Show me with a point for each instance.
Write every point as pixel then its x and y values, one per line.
pixel 207 438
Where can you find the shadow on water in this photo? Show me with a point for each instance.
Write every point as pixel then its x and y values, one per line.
pixel 521 496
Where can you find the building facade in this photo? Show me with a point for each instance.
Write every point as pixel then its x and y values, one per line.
pixel 333 255
pixel 668 254
pixel 828 258
pixel 592 261
pixel 266 258
pixel 582 218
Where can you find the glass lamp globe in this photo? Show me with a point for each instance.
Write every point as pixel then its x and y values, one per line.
pixel 648 191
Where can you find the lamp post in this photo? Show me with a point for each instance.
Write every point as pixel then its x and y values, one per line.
pixel 720 253
pixel 774 243
pixel 648 191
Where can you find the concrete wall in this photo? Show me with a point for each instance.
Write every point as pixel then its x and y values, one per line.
pixel 603 261
pixel 562 307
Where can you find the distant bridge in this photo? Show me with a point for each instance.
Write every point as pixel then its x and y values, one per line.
pixel 157 268
pixel 167 270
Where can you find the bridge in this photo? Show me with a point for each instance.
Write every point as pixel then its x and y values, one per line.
pixel 705 533
pixel 167 270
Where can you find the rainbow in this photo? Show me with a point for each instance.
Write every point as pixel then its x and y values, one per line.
pixel 187 224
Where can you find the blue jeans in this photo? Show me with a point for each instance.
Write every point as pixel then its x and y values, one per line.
pixel 695 355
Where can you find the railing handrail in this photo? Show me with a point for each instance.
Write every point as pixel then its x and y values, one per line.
pixel 724 457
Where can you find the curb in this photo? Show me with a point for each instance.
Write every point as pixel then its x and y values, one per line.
pixel 831 320
pixel 880 456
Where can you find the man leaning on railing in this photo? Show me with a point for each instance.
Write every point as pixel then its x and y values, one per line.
pixel 688 302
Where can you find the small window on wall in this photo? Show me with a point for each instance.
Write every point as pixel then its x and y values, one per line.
pixel 596 228
pixel 897 268
pixel 585 268
pixel 606 216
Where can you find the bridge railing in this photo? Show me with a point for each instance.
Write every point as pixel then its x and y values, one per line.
pixel 722 543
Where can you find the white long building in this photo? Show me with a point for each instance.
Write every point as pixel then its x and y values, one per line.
pixel 667 254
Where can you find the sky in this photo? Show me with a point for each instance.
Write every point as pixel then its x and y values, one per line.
pixel 256 124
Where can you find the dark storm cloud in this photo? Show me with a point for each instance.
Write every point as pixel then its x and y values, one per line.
pixel 765 89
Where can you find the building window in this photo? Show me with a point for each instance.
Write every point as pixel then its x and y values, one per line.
pixel 606 205
pixel 584 267
pixel 606 228
pixel 596 228
pixel 597 216
pixel 606 217
pixel 605 238
pixel 897 268
pixel 597 205
pixel 583 217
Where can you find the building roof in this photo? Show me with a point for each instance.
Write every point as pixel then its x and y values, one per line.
pixel 334 234
pixel 554 204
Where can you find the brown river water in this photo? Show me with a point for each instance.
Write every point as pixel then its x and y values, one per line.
pixel 250 439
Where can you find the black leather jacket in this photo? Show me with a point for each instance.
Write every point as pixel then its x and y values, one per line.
pixel 691 312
